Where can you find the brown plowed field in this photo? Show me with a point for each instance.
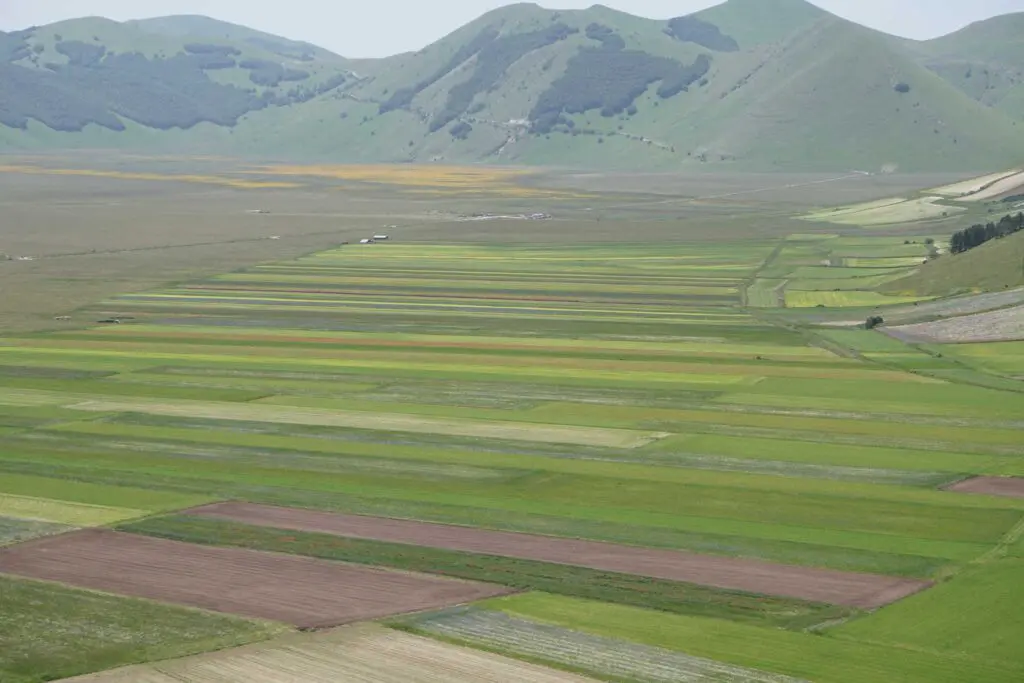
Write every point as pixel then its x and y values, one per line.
pixel 865 591
pixel 1010 487
pixel 302 591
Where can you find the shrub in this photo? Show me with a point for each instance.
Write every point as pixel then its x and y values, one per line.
pixel 873 321
pixel 208 49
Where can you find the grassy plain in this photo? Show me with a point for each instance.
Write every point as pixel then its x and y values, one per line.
pixel 626 371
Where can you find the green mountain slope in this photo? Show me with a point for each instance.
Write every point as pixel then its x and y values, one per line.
pixel 95 73
pixel 754 84
pixel 755 22
pixel 193 27
pixel 993 266
pixel 984 60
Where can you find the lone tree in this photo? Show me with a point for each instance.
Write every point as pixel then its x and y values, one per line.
pixel 873 322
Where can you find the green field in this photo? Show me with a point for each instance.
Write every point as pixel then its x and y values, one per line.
pixel 956 618
pixel 806 656
pixel 653 394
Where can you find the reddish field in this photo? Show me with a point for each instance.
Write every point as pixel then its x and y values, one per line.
pixel 1009 487
pixel 302 591
pixel 865 591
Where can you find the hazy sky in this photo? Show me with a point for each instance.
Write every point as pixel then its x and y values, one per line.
pixel 375 28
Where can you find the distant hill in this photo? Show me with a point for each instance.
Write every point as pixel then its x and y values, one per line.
pixel 985 60
pixel 92 73
pixel 750 84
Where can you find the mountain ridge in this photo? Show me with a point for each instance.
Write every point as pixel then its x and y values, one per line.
pixel 780 85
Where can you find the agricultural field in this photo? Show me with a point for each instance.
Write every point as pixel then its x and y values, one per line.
pixel 347 654
pixel 51 632
pixel 835 271
pixel 662 438
pixel 884 212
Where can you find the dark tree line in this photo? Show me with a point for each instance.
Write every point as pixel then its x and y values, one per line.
pixel 492 61
pixel 105 89
pixel 690 29
pixel 978 234
pixel 610 80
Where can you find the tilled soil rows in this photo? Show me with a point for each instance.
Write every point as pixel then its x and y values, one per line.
pixel 1010 487
pixel 864 591
pixel 302 591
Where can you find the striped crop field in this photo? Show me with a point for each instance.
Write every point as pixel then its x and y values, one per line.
pixel 644 395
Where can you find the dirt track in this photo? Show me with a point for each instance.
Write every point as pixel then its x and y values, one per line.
pixel 864 591
pixel 1009 487
pixel 301 591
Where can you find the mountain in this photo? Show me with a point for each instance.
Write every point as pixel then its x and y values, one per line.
pixel 984 60
pixel 95 74
pixel 751 84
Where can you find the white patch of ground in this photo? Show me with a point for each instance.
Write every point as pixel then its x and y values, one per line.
pixel 1003 325
pixel 888 212
pixel 974 185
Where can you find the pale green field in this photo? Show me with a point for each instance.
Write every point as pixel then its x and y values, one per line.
pixel 847 299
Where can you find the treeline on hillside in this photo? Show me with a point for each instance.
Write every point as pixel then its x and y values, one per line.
pixel 102 88
pixel 978 234
pixel 610 79
pixel 690 29
pixel 492 61
pixel 263 72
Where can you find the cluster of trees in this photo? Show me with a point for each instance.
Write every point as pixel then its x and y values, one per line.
pixel 690 29
pixel 611 81
pixel 461 130
pixel 609 39
pixel 978 234
pixel 81 54
pixel 271 74
pixel 300 93
pixel 492 61
pixel 208 49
